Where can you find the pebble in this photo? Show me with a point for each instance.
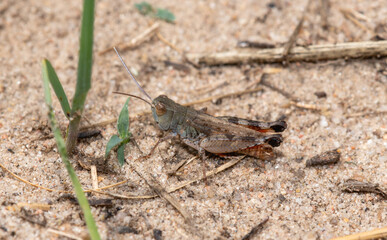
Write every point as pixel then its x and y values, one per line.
pixel 323 122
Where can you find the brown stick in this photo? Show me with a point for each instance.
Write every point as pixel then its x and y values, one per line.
pixel 374 234
pixel 135 41
pixel 324 13
pixel 309 53
pixel 164 40
pixel 350 16
pixel 159 190
pixel 289 45
pixel 352 185
pixel 94 176
pixel 257 229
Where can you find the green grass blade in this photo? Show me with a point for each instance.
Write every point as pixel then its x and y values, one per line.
pixel 123 121
pixel 82 200
pixel 46 84
pixel 121 154
pixel 57 86
pixel 85 61
pixel 114 141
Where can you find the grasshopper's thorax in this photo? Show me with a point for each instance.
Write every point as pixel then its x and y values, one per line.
pixel 168 114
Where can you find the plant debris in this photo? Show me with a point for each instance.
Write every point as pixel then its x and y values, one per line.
pixel 352 185
pixel 326 158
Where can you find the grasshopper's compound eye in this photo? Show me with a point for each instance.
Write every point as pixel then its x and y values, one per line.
pixel 160 109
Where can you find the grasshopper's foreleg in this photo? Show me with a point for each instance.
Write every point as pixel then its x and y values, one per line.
pixel 166 137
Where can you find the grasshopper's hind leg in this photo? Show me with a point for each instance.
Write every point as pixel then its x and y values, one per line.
pixel 261 151
pixel 202 153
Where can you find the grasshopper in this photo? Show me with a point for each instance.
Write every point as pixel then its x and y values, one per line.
pixel 217 135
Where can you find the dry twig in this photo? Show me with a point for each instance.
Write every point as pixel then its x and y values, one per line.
pixel 257 229
pixel 135 41
pixel 362 114
pixel 352 185
pixel 216 97
pixel 64 234
pixel 350 15
pixel 164 40
pixel 159 190
pixel 380 233
pixel 307 106
pixel 178 166
pixel 115 195
pixel 308 53
pixel 208 174
pixel 30 183
pixel 94 177
pixel 324 13
pixel 56 190
pixel 290 43
pixel 99 124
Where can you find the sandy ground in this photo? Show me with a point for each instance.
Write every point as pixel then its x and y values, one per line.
pixel 301 203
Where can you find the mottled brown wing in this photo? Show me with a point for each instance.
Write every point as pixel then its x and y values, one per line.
pixel 225 143
pixel 276 126
pixel 208 125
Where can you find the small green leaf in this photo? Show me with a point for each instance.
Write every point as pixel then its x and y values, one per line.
pixel 121 154
pixel 114 141
pixel 160 13
pixel 144 8
pixel 123 121
pixel 165 15
pixel 50 74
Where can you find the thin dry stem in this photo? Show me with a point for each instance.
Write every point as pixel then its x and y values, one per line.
pixel 290 43
pixel 157 188
pixel 164 40
pixel 374 234
pixel 94 177
pixel 64 234
pixel 30 183
pixel 56 190
pixel 135 41
pixel 308 53
pixel 181 164
pixel 208 174
pixel 220 96
pixel 362 114
pixel 348 14
pixel 324 13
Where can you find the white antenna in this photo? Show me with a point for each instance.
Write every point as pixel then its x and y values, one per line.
pixel 127 69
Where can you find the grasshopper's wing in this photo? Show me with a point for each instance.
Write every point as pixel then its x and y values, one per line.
pixel 276 126
pixel 225 143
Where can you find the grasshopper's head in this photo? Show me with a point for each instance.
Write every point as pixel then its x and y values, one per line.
pixel 163 110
